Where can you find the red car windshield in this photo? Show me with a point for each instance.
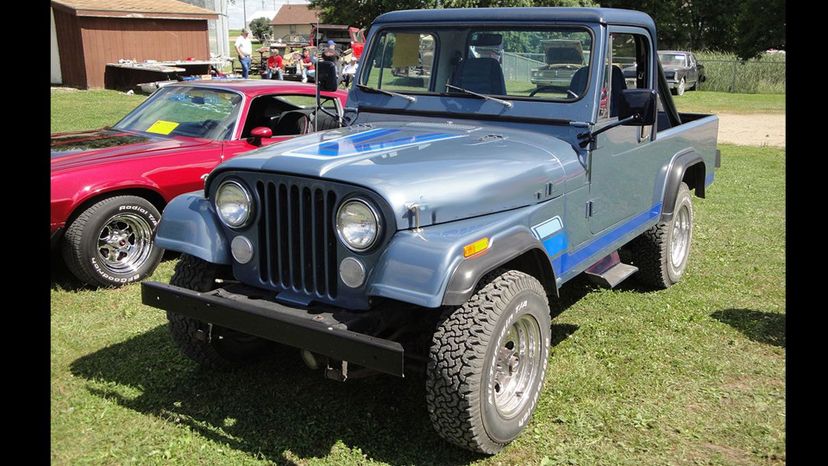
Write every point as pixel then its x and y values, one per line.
pixel 186 111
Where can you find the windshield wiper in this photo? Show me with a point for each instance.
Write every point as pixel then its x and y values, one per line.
pixel 383 91
pixel 483 96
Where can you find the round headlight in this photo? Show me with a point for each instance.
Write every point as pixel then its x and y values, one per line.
pixel 357 224
pixel 233 204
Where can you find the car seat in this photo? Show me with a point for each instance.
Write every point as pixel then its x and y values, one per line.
pixel 579 82
pixel 481 75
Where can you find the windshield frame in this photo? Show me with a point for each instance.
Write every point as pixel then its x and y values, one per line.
pixel 234 133
pixel 434 28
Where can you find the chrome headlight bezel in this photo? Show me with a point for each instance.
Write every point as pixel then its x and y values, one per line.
pixel 248 199
pixel 374 214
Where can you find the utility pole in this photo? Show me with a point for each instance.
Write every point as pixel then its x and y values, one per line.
pixel 244 13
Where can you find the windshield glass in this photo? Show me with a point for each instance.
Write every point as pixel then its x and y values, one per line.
pixel 672 59
pixel 186 111
pixel 538 63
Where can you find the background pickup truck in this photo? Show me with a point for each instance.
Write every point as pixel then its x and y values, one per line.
pixel 429 233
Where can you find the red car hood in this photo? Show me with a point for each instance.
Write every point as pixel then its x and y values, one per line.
pixel 89 147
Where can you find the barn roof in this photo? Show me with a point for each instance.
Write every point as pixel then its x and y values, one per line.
pixel 163 9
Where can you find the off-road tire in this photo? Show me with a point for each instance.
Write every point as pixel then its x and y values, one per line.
pixel 80 248
pixel 461 358
pixel 651 251
pixel 226 349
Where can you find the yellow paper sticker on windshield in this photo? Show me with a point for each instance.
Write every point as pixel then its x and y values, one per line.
pixel 406 50
pixel 162 127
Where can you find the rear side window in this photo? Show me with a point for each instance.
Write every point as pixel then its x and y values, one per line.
pixel 401 61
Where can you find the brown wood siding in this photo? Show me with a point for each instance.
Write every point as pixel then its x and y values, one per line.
pixel 106 40
pixel 70 46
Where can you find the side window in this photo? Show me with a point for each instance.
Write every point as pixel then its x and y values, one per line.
pixel 627 68
pixel 401 61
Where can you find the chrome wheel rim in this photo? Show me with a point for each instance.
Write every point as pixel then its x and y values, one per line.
pixel 124 242
pixel 517 366
pixel 681 237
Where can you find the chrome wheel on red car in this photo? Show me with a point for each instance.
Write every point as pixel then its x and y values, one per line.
pixel 111 244
pixel 125 242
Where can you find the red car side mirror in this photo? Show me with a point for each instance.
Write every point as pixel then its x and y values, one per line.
pixel 259 132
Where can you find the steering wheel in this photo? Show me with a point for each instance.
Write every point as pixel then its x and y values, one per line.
pixel 302 124
pixel 551 88
pixel 208 125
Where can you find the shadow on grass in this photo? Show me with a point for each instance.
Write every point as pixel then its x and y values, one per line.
pixel 759 326
pixel 274 406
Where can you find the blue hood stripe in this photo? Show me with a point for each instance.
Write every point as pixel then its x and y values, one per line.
pixel 368 142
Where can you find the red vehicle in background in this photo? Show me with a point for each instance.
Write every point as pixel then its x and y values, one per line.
pixel 346 37
pixel 109 186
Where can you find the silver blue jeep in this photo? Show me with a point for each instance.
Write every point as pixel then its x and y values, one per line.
pixel 427 232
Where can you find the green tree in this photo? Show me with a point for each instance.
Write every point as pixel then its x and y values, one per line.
pixel 260 27
pixel 761 26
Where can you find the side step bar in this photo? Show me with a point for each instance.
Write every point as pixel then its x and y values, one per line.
pixel 610 271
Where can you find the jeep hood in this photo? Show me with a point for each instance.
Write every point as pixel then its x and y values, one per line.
pixel 451 171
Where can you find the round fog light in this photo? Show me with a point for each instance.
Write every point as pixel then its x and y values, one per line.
pixel 242 249
pixel 352 272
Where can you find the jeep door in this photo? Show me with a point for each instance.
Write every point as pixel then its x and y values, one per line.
pixel 622 168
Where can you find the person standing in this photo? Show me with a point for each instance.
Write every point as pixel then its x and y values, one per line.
pixel 275 65
pixel 244 47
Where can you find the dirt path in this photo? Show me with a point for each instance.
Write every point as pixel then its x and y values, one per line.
pixel 761 129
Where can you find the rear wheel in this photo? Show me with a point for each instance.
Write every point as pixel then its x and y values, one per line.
pixel 661 253
pixel 209 345
pixel 487 363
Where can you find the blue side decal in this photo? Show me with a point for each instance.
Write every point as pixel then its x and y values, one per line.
pixel 568 261
pixel 556 244
pixel 367 142
pixel 549 227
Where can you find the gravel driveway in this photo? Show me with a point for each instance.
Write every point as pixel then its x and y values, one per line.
pixel 761 129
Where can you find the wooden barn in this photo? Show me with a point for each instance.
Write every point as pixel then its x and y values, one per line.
pixel 88 34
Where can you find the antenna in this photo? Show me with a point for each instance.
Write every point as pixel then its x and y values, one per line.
pixel 316 75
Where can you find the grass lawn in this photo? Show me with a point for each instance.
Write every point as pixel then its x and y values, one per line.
pixel 692 374
pixel 74 110
pixel 724 102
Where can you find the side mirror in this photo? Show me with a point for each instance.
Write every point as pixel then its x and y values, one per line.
pixel 259 132
pixel 639 103
pixel 326 76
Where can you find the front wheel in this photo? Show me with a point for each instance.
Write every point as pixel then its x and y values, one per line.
pixel 210 346
pixel 679 90
pixel 110 243
pixel 487 363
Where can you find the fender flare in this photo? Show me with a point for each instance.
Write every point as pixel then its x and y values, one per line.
pixel 190 225
pixel 675 174
pixel 505 247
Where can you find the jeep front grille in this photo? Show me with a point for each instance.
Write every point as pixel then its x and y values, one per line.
pixel 298 242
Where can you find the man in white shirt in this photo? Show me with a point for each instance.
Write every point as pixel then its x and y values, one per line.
pixel 244 47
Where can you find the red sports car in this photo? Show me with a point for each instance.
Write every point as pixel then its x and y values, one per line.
pixel 110 185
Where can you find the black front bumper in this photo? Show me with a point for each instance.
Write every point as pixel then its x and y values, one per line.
pixel 314 330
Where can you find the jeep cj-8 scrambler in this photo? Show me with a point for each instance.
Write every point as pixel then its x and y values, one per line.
pixel 429 231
